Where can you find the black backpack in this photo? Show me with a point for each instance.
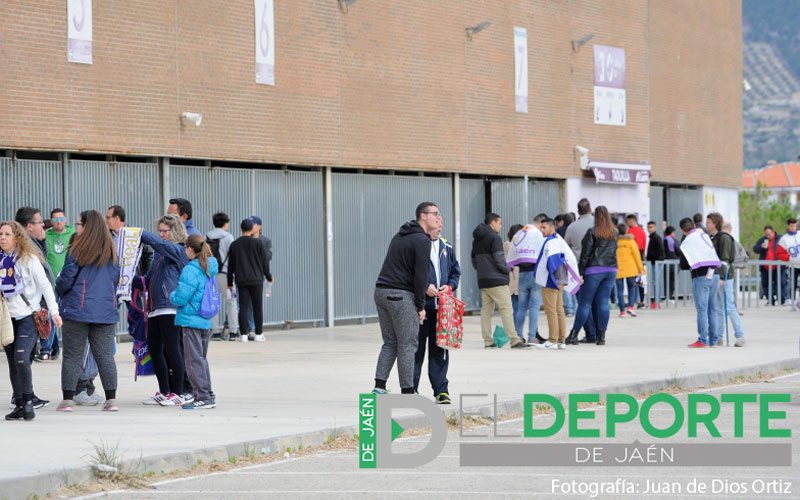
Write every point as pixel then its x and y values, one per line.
pixel 214 244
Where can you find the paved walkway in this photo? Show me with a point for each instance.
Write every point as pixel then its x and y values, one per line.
pixel 308 379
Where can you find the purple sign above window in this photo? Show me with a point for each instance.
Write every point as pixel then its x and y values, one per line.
pixel 609 67
pixel 620 173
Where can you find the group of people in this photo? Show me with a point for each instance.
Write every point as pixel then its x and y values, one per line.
pixel 547 262
pixel 61 290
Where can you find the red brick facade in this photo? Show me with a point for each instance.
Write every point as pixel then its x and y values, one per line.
pixel 390 84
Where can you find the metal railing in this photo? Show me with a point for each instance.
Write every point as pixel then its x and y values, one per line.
pixel 669 286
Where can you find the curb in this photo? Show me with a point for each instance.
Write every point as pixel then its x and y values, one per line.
pixel 42 484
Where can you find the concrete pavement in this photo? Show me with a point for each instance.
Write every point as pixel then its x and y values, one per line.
pixel 305 382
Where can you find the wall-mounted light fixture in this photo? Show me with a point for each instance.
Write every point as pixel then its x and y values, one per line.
pixel 576 44
pixel 195 118
pixel 344 5
pixel 477 29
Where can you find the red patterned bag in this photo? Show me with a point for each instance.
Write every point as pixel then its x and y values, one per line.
pixel 449 328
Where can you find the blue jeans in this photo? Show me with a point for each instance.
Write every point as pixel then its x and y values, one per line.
pixel 631 282
pixel 570 302
pixel 529 302
pixel 593 300
pixel 705 301
pixel 514 303
pixel 733 313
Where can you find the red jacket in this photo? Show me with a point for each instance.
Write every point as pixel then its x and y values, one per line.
pixel 639 237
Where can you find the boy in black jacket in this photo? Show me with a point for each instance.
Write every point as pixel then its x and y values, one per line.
pixel 247 267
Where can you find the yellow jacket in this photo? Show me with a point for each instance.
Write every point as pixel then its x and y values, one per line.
pixel 629 261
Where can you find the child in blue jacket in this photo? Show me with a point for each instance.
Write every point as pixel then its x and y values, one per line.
pixel 196 329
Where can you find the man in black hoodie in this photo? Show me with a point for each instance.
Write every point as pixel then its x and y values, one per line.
pixel 490 262
pixel 247 267
pixel 400 297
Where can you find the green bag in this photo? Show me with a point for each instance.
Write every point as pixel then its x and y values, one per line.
pixel 500 337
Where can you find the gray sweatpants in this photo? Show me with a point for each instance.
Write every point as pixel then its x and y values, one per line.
pixel 400 330
pixel 195 350
pixel 102 342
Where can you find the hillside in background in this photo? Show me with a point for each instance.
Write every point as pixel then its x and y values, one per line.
pixel 772 69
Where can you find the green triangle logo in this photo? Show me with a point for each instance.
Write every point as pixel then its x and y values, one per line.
pixel 396 430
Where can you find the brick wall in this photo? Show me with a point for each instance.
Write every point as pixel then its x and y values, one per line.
pixel 391 84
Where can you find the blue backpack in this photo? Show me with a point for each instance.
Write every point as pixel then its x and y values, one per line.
pixel 209 306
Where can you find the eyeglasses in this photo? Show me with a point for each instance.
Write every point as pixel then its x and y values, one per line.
pixel 164 231
pixel 37 222
pixel 59 219
pixel 435 214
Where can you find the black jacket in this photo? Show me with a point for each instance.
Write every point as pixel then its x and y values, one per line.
pixel 655 250
pixel 406 264
pixel 596 252
pixel 725 247
pixel 247 262
pixel 488 257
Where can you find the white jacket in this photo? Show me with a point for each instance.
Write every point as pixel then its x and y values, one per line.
pixel 36 286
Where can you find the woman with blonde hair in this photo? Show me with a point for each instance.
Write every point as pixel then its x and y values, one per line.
pixel 194 323
pixel 163 336
pixel 87 286
pixel 23 283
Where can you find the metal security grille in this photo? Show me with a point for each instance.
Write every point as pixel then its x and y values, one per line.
pixel 96 185
pixel 289 204
pixel 543 197
pixel 36 183
pixel 656 207
pixel 508 201
pixel 681 202
pixel 368 210
pixel 473 211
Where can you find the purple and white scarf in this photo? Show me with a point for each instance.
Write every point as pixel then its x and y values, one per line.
pixel 129 251
pixel 11 282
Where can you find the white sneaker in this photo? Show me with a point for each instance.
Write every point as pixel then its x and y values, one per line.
pixel 243 338
pixel 562 345
pixel 547 345
pixel 84 399
pixel 187 398
pixel 172 400
pixel 260 338
pixel 739 342
pixel 155 400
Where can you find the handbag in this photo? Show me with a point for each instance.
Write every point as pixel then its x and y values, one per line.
pixel 6 327
pixel 449 321
pixel 42 320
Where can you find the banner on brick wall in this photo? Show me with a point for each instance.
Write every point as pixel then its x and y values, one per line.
pixel 609 85
pixel 521 69
pixel 79 31
pixel 265 42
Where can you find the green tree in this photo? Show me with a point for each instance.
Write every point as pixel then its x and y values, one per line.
pixel 756 210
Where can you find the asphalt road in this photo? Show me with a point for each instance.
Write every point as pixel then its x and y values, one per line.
pixel 335 475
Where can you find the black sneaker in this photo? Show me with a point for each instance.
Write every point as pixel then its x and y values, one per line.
pixel 39 403
pixel 491 346
pixel 17 414
pixel 520 345
pixel 216 336
pixel 233 338
pixel 540 339
pixel 443 399
pixel 27 411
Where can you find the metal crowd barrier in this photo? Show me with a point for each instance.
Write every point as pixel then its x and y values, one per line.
pixel 666 278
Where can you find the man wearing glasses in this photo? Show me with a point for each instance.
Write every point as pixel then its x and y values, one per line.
pixel 56 242
pixel 400 297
